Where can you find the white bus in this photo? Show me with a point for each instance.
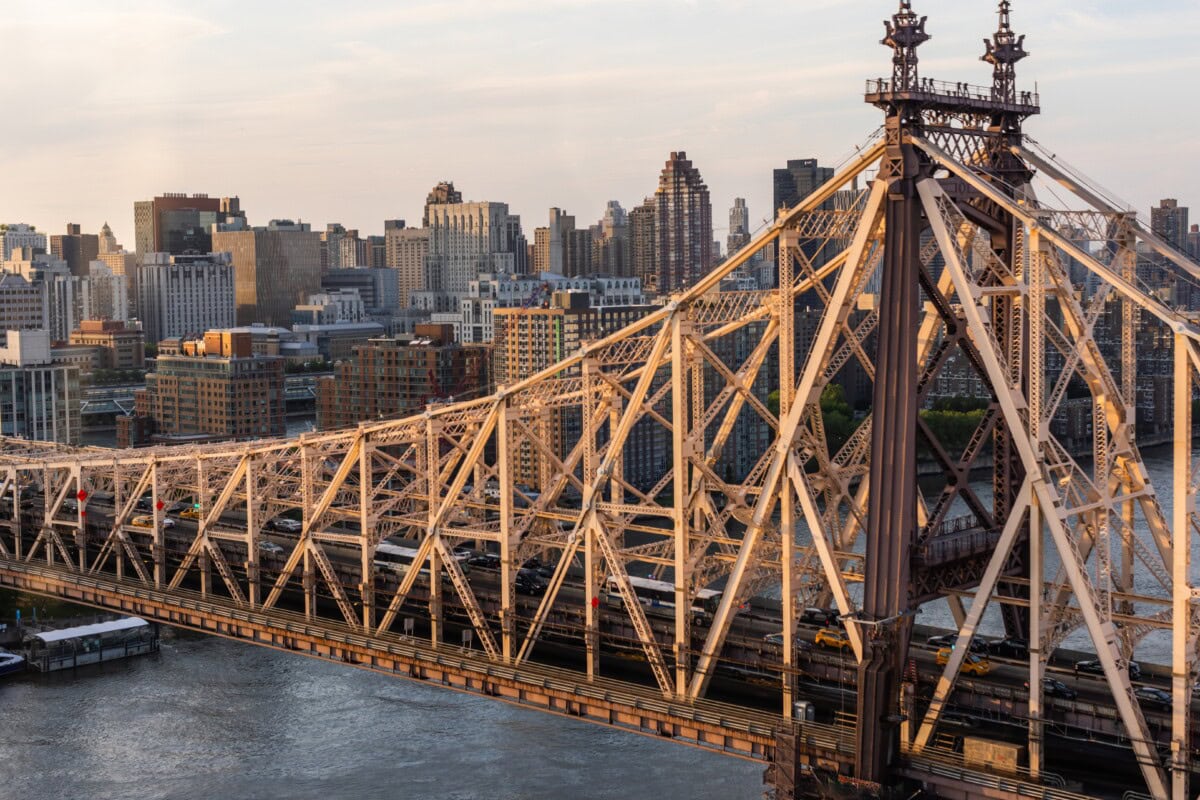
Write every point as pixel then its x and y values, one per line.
pixel 397 558
pixel 661 594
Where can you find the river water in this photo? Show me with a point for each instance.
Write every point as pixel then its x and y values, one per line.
pixel 210 718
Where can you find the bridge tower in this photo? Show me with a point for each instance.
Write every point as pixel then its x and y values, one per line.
pixel 984 126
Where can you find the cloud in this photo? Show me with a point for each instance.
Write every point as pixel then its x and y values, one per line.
pixel 352 114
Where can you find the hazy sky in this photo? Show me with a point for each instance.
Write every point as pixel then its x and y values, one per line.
pixel 351 111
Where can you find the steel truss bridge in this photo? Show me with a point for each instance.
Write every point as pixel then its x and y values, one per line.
pixel 947 253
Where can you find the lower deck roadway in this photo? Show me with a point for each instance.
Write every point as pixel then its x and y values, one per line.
pixel 733 730
pixel 749 676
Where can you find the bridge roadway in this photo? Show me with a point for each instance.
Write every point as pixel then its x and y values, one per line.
pixel 734 730
pixel 748 681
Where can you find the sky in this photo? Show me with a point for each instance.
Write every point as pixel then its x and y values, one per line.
pixel 351 112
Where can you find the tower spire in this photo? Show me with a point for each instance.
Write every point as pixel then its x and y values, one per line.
pixel 1003 52
pixel 905 33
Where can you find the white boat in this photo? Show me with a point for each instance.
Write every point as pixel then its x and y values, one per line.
pixel 49 651
pixel 11 662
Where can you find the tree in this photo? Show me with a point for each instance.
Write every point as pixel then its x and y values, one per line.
pixel 837 415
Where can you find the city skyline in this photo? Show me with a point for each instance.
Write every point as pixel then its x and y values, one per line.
pixel 351 120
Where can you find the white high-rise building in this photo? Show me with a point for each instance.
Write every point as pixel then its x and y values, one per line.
pixel 38 398
pixel 178 295
pixel 406 251
pixel 52 277
pixel 467 239
pixel 107 294
pixel 473 319
pixel 19 234
pixel 739 226
pixel 67 299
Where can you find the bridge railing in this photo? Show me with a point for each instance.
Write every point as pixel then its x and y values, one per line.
pixel 929 88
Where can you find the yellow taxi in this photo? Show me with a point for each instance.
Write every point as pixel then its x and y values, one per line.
pixel 190 513
pixel 971 665
pixel 831 637
pixel 147 521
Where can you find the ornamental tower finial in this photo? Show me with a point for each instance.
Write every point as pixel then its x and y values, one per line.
pixel 1003 52
pixel 905 33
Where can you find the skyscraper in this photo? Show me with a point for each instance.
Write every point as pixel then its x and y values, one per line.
pixel 76 248
pixel 561 248
pixel 40 398
pixel 739 226
pixel 20 235
pixel 176 223
pixel 406 252
pixel 466 239
pixel 682 225
pixel 796 181
pixel 275 267
pixel 179 295
pixel 443 194
pixel 1169 220
pixel 611 250
pixel 106 240
pixel 641 245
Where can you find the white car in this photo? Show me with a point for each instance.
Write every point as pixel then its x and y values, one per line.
pixel 287 525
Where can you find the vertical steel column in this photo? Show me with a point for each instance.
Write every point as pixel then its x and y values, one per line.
pixel 18 531
pixel 366 528
pixel 505 466
pixel 1035 377
pixel 80 530
pixel 158 550
pixel 1181 595
pixel 433 482
pixel 118 503
pixel 591 556
pixel 201 528
pixel 892 513
pixel 1129 324
pixel 788 242
pixel 680 464
pixel 253 536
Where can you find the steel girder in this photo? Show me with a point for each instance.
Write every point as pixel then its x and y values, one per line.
pixel 794 519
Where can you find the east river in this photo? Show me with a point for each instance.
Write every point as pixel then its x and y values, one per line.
pixel 210 718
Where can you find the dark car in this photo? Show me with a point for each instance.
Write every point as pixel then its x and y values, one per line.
pixel 1094 667
pixel 1010 648
pixel 1056 688
pixel 535 564
pixel 531 583
pixel 1150 696
pixel 485 560
pixel 942 640
pixel 820 617
pixel 978 645
pixel 777 640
